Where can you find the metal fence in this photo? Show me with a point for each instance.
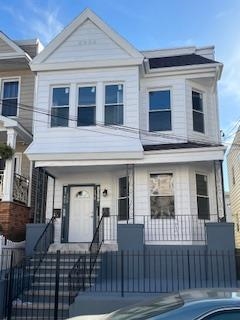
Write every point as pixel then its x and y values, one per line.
pixel 47 292
pixel 172 229
pixel 164 271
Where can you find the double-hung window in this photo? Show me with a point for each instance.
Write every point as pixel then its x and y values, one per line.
pixel 160 110
pixel 161 196
pixel 60 107
pixel 123 199
pixel 86 106
pixel 114 104
pixel 202 196
pixel 10 98
pixel 198 115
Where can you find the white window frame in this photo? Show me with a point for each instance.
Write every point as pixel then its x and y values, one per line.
pixel 86 85
pixel 18 162
pixel 123 103
pixel 208 194
pixel 11 79
pixel 159 110
pixel 201 112
pixel 55 86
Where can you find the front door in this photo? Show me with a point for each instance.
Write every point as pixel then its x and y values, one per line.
pixel 81 214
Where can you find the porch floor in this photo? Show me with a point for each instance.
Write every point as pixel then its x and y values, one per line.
pixel 79 247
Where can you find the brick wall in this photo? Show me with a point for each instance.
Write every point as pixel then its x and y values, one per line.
pixel 13 219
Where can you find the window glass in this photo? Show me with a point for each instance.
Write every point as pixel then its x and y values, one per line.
pixel 114 104
pixel 202 197
pixel 224 315
pixel 160 110
pixel 159 100
pixel 161 196
pixel 10 98
pixel 198 116
pixel 60 107
pixel 86 106
pixel 123 199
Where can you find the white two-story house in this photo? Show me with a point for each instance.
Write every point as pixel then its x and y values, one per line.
pixel 126 136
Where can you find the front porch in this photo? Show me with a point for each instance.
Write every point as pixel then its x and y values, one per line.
pixel 14 181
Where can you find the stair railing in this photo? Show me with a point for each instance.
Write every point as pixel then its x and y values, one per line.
pixel 76 277
pixel 96 244
pixel 41 247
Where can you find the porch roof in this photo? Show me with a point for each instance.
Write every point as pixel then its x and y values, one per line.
pixel 7 123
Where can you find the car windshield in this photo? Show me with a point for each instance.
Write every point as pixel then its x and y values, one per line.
pixel 148 309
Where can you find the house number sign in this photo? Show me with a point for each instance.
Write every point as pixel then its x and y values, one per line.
pixel 87 42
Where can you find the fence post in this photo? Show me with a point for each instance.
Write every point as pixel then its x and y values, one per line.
pixel 9 289
pixel 122 273
pixel 189 270
pixel 56 285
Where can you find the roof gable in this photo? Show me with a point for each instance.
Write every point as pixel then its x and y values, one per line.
pixel 8 48
pixel 86 39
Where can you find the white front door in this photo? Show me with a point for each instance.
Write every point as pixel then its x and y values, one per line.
pixel 81 213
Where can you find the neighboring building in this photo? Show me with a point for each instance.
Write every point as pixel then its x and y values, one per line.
pixel 129 135
pixel 16 101
pixel 228 207
pixel 234 184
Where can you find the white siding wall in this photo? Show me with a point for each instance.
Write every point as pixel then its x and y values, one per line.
pixel 184 188
pixel 87 42
pixel 181 107
pixel 94 138
pixel 178 109
pixel 210 113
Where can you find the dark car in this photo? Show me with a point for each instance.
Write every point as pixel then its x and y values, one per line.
pixel 207 304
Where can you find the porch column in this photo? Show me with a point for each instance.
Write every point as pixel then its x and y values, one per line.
pixel 9 168
pixel 219 191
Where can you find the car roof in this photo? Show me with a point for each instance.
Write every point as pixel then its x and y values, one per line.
pixel 189 304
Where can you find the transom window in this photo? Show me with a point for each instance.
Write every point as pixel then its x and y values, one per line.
pixel 123 199
pixel 198 116
pixel 160 110
pixel 161 196
pixel 114 104
pixel 202 196
pixel 60 107
pixel 10 98
pixel 86 106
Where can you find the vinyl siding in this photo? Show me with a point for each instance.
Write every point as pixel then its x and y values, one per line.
pixel 233 164
pixel 27 80
pixel 86 139
pixel 5 48
pixel 87 42
pixel 107 178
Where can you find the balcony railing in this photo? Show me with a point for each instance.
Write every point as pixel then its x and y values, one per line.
pixel 180 228
pixel 20 188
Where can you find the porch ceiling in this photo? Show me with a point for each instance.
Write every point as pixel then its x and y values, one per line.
pixel 63 171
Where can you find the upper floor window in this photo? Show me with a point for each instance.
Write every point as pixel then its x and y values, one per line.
pixel 198 116
pixel 60 107
pixel 160 110
pixel 202 196
pixel 86 106
pixel 233 176
pixel 10 98
pixel 114 104
pixel 161 196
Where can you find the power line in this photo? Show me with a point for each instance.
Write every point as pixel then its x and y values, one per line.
pixel 113 127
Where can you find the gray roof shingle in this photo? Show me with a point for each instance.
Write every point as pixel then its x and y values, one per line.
pixel 177 61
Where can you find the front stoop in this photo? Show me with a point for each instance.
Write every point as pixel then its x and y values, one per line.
pixel 38 300
pixel 80 247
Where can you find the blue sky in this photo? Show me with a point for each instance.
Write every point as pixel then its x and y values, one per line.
pixel 147 24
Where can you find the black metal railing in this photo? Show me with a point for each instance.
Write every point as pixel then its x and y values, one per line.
pixel 20 188
pixel 96 244
pixel 179 228
pixel 162 271
pixel 42 293
pixel 77 277
pixel 46 238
